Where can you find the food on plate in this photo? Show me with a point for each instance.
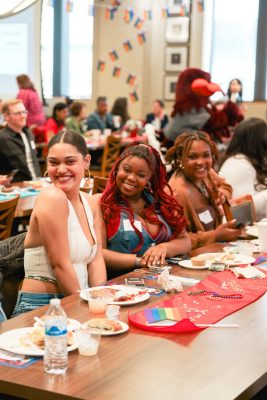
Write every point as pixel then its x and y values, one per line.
pixel 112 294
pixel 105 324
pixel 36 337
pixel 102 293
pixel 7 189
pixel 123 295
pixel 198 261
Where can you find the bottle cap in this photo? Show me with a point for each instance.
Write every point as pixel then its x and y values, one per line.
pixel 55 302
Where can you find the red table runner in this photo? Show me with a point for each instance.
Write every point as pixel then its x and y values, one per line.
pixel 204 308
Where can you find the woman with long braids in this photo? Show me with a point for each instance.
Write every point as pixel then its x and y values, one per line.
pixel 142 224
pixel 199 189
pixel 245 163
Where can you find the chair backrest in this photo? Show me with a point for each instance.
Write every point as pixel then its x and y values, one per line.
pixel 110 154
pixel 240 208
pixel 7 211
pixel 99 184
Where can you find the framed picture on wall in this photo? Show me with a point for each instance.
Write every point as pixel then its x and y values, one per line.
pixel 176 58
pixel 180 7
pixel 177 30
pixel 170 87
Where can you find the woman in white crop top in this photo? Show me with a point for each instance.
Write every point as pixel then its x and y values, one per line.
pixel 63 250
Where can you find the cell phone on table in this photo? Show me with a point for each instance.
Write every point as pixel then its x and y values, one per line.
pixel 135 281
pixel 12 174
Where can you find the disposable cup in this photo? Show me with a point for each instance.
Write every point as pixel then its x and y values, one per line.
pixel 262 233
pixel 246 247
pixel 88 341
pixel 97 306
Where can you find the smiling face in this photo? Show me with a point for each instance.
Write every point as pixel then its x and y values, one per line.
pixel 198 161
pixel 16 117
pixel 66 166
pixel 132 176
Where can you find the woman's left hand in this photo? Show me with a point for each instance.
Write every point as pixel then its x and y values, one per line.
pixel 220 198
pixel 155 255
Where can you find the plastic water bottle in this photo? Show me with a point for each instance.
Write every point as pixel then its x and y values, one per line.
pixel 56 353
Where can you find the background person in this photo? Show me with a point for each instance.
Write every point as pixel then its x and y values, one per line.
pixel 120 109
pixel 244 165
pixel 57 122
pixel 29 96
pixel 76 122
pixel 63 252
pixel 101 118
pixel 17 146
pixel 199 189
pixel 157 118
pixel 142 225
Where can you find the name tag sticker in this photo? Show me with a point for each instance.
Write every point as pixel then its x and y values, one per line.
pixel 127 226
pixel 205 217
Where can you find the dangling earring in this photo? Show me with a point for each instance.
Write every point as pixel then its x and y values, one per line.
pixel 46 176
pixel 148 186
pixel 87 174
pixel 181 166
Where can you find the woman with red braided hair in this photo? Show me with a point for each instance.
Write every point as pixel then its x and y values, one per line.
pixel 198 188
pixel 143 225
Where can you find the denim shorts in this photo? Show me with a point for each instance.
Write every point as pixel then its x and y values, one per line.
pixel 2 314
pixel 28 301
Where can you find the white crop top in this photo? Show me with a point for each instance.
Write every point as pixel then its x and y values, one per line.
pixel 36 263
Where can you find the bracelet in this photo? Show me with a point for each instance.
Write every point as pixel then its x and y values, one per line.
pixel 137 262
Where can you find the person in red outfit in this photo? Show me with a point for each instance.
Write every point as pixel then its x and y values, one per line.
pixel 57 122
pixel 27 93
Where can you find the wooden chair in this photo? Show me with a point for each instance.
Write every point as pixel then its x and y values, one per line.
pixel 240 208
pixel 110 154
pixel 7 211
pixel 99 184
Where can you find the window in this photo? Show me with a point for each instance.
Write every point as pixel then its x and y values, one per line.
pixel 67 50
pixel 230 40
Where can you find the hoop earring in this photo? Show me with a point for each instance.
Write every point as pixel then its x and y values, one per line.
pixel 46 176
pixel 148 186
pixel 87 176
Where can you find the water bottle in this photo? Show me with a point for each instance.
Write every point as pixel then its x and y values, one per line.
pixel 56 353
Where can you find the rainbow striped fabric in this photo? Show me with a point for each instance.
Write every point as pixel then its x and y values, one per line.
pixel 162 314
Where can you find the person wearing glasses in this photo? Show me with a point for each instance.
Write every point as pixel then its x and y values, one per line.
pixel 17 146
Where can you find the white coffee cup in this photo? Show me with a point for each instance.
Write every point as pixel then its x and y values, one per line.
pixel 262 232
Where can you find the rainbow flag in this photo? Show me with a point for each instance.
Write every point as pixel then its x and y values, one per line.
pixel 165 12
pixel 101 66
pixel 127 45
pixel 113 55
pixel 161 314
pixel 138 23
pixel 147 15
pixel 69 6
pixel 131 79
pixel 91 10
pixel 128 14
pixel 116 72
pixel 141 37
pixel 110 12
pixel 134 96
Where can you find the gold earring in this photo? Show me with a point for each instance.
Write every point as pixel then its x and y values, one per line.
pixel 46 176
pixel 87 174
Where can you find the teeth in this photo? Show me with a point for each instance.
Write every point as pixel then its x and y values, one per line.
pixel 63 178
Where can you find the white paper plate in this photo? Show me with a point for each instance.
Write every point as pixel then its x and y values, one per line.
pixel 239 259
pixel 10 341
pixel 252 230
pixel 231 249
pixel 124 328
pixel 73 324
pixel 138 297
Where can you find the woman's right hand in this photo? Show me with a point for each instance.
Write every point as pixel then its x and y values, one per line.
pixel 227 231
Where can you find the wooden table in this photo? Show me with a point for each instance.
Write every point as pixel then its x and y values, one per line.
pixel 215 363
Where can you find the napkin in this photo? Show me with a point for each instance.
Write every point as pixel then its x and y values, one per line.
pixel 248 272
pixel 167 284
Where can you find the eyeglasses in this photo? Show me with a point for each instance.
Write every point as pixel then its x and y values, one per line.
pixel 24 112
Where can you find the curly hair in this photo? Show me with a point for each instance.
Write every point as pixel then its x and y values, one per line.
pixel 113 202
pixel 250 139
pixel 182 145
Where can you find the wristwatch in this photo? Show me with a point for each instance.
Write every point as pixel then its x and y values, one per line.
pixel 137 262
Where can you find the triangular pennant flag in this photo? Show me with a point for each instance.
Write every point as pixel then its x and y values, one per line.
pixel 101 66
pixel 110 12
pixel 141 37
pixel 127 45
pixel 134 96
pixel 116 72
pixel 131 79
pixel 147 15
pixel 138 23
pixel 200 5
pixel 113 55
pixel 128 14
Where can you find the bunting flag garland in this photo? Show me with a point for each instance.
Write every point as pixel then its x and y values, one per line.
pixel 165 12
pixel 134 96
pixel 141 37
pixel 127 45
pixel 131 79
pixel 138 23
pixel 113 55
pixel 128 14
pixel 110 12
pixel 116 72
pixel 69 6
pixel 101 66
pixel 91 11
pixel 147 15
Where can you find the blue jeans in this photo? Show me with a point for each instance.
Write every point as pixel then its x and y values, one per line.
pixel 28 301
